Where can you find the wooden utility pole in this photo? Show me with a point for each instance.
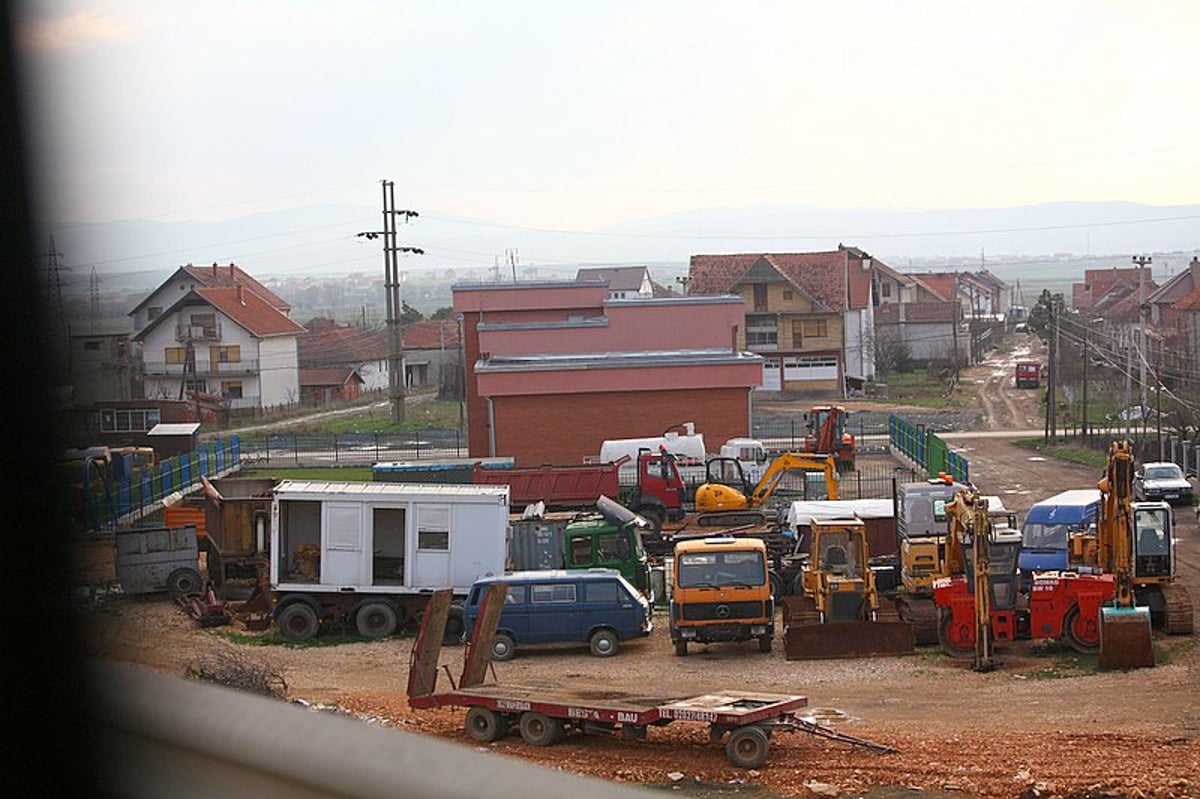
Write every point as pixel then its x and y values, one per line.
pixel 1142 262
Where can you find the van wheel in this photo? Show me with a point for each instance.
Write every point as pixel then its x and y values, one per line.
pixel 375 620
pixel 297 622
pixel 503 647
pixel 604 643
pixel 681 648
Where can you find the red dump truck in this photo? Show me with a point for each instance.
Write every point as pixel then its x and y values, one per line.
pixel 657 495
pixel 1028 374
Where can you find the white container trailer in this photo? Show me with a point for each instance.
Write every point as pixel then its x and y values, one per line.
pixel 371 554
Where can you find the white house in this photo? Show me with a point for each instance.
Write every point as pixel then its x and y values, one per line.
pixel 218 332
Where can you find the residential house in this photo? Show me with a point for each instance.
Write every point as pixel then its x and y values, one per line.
pixel 809 315
pixel 1099 282
pixel 1175 316
pixel 915 320
pixel 429 346
pixel 554 369
pixel 217 333
pixel 320 387
pixel 624 282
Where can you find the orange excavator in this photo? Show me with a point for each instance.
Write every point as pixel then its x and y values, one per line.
pixel 827 435
pixel 726 498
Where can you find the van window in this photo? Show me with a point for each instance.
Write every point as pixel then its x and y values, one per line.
pixel 556 593
pixel 515 595
pixel 600 591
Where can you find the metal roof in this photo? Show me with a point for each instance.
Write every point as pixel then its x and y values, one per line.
pixel 435 491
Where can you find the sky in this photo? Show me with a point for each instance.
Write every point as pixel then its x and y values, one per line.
pixel 579 115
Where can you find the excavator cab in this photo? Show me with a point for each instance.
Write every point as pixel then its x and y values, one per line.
pixel 727 499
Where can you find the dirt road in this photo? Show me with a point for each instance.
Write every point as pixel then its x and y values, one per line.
pixel 1046 723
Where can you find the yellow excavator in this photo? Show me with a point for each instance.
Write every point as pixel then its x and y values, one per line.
pixel 726 498
pixel 839 613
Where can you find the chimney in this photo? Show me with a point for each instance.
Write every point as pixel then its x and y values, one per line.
pixel 231 269
pixel 214 268
pixel 240 300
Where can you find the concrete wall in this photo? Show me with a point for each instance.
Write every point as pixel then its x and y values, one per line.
pixel 280 373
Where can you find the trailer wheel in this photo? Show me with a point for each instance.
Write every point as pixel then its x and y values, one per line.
pixel 297 622
pixel 485 725
pixel 604 643
pixel 375 620
pixel 764 643
pixel 182 582
pixel 681 648
pixel 503 647
pixel 1083 636
pixel 748 746
pixel 538 729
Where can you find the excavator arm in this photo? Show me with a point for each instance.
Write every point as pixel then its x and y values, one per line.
pixel 789 462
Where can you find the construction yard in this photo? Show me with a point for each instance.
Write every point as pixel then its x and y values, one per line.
pixel 1046 723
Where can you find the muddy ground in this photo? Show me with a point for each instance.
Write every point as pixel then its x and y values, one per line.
pixel 1045 723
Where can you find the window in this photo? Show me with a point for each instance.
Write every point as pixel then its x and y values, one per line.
pixel 195 386
pixel 552 593
pixel 231 354
pixel 797 335
pixel 581 551
pixel 762 331
pixel 153 312
pixel 515 595
pixel 600 591
pixel 760 296
pixel 175 354
pixel 231 389
pixel 886 289
pixel 132 420
pixel 814 328
pixel 91 345
pixel 611 547
pixel 433 528
pixel 788 294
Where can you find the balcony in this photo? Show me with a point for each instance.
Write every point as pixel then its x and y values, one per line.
pixel 204 368
pixel 206 332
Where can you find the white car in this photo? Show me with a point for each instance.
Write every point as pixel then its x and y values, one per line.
pixel 1162 480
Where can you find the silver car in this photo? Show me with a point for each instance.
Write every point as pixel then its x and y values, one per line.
pixel 1162 480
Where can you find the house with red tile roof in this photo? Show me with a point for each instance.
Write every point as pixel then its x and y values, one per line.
pixel 1098 282
pixel 1175 315
pixel 216 332
pixel 430 352
pixel 809 315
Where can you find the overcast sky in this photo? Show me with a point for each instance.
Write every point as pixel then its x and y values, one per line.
pixel 574 115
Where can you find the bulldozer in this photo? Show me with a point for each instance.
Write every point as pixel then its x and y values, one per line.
pixel 726 498
pixel 839 613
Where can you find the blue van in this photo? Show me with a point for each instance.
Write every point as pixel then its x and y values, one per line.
pixel 1044 533
pixel 597 607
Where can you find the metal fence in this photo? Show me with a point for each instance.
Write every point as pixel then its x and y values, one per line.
pixel 926 450
pixel 352 449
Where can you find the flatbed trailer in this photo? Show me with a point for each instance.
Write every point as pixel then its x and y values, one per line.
pixel 544 715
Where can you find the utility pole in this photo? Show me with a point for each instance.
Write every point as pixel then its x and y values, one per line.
pixel 391 287
pixel 1084 420
pixel 1051 394
pixel 1142 261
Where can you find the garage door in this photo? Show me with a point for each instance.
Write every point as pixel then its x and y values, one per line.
pixel 810 367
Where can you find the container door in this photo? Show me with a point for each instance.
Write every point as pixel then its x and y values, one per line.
pixel 342 545
pixel 431 566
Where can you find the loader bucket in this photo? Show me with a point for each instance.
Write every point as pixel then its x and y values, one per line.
pixel 1125 638
pixel 847 639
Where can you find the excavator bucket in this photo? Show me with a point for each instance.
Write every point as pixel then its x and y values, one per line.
pixel 847 639
pixel 1125 638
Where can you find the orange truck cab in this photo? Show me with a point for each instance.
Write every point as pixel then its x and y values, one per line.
pixel 721 592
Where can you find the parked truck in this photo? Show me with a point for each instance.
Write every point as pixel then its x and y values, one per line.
pixel 721 592
pixel 371 554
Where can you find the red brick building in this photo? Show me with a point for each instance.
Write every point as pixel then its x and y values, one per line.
pixel 554 369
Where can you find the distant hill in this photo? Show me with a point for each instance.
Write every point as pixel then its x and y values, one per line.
pixel 1031 244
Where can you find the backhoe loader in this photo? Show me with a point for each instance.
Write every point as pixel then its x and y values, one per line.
pixel 839 614
pixel 726 498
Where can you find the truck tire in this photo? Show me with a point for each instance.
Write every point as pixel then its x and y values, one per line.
pixel 764 643
pixel 748 746
pixel 376 620
pixel 604 643
pixel 297 622
pixel 654 514
pixel 484 725
pixel 681 648
pixel 503 647
pixel 538 729
pixel 182 582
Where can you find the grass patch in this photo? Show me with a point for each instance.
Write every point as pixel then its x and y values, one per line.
pixel 434 414
pixel 1064 663
pixel 1066 451
pixel 920 389
pixel 355 474
pixel 273 638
